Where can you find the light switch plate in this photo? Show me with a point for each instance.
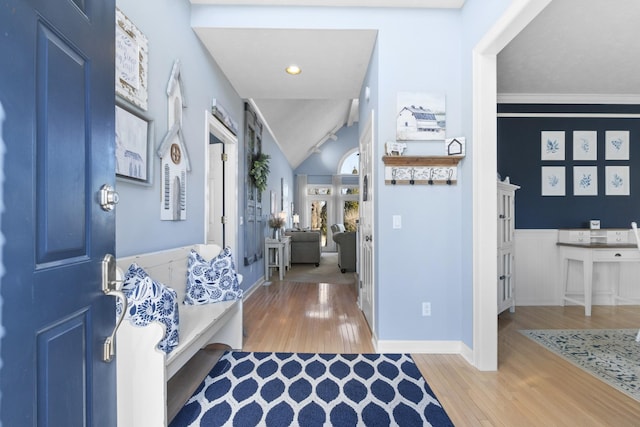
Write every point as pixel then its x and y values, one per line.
pixel 397 221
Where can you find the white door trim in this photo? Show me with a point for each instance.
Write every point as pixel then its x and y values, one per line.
pixel 367 252
pixel 230 141
pixel 485 249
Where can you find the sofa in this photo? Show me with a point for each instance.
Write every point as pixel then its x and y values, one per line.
pixel 305 246
pixel 346 243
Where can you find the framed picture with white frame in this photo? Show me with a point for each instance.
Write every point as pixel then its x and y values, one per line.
pixel 616 145
pixel 131 61
pixel 585 145
pixel 553 181
pixel 552 145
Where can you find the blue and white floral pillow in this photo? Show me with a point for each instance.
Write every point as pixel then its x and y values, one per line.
pixel 211 281
pixel 148 301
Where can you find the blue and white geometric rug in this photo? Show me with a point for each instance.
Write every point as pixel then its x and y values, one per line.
pixel 612 355
pixel 303 389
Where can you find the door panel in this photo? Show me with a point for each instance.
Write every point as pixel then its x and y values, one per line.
pixel 61 230
pixel 366 234
pixel 58 345
pixel 58 97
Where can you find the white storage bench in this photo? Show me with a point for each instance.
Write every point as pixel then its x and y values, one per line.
pixel 143 369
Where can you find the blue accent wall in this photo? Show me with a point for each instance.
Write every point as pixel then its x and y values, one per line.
pixel 519 157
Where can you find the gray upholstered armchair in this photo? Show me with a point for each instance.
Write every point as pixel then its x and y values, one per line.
pixel 305 247
pixel 346 242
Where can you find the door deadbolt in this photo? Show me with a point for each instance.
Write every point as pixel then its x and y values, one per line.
pixel 109 197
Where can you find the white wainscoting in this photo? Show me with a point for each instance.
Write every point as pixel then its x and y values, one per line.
pixel 538 271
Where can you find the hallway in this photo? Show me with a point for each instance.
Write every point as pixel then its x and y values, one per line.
pixel 305 317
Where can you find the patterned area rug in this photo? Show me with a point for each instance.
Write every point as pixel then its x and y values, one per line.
pixel 327 272
pixel 303 389
pixel 612 355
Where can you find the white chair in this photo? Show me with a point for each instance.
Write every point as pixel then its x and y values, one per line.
pixel 634 227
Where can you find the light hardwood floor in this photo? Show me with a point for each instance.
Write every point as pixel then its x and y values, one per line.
pixel 532 386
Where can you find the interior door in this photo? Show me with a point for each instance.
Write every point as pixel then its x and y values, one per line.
pixel 216 227
pixel 366 295
pixel 57 90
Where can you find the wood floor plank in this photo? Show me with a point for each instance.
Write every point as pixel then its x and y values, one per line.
pixel 305 317
pixel 532 387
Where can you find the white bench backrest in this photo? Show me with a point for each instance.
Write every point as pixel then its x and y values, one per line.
pixel 169 266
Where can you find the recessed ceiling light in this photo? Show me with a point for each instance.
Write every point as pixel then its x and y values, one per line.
pixel 293 70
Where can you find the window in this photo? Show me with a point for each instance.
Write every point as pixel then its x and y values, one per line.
pixel 313 190
pixel 350 163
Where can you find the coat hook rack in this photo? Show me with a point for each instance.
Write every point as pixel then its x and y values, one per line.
pixel 416 170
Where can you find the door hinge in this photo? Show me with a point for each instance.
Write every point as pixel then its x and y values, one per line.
pixel 224 157
pixel 223 219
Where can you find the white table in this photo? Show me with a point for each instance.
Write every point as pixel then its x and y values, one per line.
pixel 277 254
pixel 589 254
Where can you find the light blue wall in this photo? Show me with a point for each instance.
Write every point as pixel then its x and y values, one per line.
pixel 278 168
pixel 327 161
pixel 418 50
pixel 138 225
pixel 167 26
pixel 421 262
pixel 321 167
pixel 429 259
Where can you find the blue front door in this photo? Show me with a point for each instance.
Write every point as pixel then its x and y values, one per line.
pixel 57 92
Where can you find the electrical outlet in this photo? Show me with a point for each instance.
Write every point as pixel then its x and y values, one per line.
pixel 426 309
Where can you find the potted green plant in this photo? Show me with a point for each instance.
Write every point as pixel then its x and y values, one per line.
pixel 260 171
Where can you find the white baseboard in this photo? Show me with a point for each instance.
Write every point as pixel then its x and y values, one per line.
pixel 535 302
pixel 428 347
pixel 467 353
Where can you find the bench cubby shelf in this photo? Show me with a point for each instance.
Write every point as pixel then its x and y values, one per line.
pixel 402 170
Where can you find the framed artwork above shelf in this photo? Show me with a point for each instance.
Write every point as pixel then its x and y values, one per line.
pixel 400 170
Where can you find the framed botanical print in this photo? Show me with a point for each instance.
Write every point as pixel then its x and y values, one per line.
pixel 585 180
pixel 553 181
pixel 552 145
pixel 617 181
pixel 585 145
pixel 617 145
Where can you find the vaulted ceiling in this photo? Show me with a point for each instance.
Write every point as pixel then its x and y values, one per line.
pixel 572 47
pixel 304 110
